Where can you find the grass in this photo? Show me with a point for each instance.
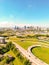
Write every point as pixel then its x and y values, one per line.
pixel 42 53
pixel 2 62
pixel 26 41
pixel 16 61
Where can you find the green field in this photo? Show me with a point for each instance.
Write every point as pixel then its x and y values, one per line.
pixel 42 53
pixel 26 41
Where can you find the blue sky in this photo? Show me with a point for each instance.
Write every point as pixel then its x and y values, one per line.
pixel 24 12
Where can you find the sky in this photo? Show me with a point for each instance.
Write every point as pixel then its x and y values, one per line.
pixel 24 12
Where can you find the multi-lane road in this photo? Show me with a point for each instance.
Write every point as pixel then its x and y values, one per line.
pixel 30 56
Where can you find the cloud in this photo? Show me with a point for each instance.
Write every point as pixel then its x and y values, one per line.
pixel 18 22
pixel 6 24
pixel 12 24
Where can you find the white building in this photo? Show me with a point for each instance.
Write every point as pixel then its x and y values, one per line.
pixel 2 40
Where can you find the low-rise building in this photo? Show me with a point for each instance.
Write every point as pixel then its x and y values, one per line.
pixel 2 40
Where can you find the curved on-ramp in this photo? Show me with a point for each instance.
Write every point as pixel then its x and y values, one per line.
pixel 37 60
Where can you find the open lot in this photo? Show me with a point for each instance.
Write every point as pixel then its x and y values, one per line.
pixel 24 42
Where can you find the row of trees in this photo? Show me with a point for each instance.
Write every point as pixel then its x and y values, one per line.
pixel 5 49
pixel 36 36
pixel 19 55
pixel 7 60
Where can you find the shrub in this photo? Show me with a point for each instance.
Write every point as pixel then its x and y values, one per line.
pixel 26 62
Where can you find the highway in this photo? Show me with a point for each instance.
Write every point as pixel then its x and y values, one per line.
pixel 36 59
pixel 29 55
